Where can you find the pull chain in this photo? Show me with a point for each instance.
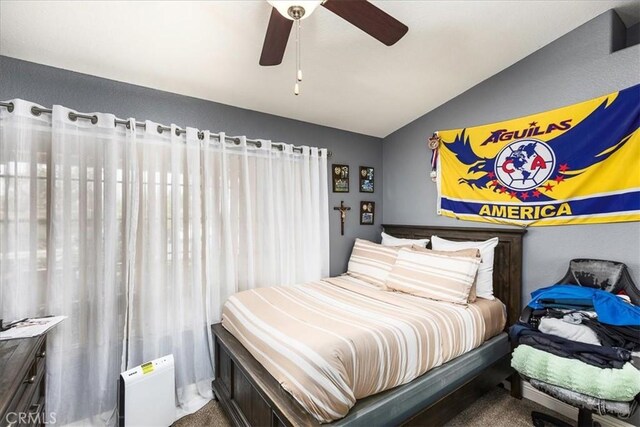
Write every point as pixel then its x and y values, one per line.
pixel 296 88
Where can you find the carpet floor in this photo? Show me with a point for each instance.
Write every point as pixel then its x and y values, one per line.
pixel 495 409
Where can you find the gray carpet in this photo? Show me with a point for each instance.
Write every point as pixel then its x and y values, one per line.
pixel 211 414
pixel 495 409
pixel 499 409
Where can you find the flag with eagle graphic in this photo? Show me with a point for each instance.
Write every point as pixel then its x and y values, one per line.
pixel 574 165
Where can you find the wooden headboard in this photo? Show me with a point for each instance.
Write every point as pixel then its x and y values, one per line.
pixel 507 263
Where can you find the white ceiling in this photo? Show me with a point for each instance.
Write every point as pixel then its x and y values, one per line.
pixel 210 50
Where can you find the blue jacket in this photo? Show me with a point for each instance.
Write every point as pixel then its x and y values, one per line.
pixel 610 309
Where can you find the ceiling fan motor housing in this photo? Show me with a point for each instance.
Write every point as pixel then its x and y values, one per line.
pixel 296 12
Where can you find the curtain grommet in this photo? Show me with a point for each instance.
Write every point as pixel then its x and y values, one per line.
pixel 259 144
pixel 236 141
pixel 10 107
pixel 35 111
pixel 201 135
pixel 75 116
pixel 159 128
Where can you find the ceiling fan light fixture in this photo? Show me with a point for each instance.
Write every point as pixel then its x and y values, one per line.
pixel 295 9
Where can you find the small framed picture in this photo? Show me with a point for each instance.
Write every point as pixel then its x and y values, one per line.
pixel 366 179
pixel 340 175
pixel 367 213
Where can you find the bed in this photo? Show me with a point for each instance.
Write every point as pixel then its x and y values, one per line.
pixel 250 395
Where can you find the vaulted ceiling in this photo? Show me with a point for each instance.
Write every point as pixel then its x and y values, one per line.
pixel 210 50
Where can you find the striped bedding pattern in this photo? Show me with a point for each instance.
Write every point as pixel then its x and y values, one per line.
pixel 372 262
pixel 432 275
pixel 334 341
pixel 462 252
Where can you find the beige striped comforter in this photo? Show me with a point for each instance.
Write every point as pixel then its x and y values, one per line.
pixel 334 341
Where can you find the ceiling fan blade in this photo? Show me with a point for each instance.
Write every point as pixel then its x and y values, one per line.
pixel 275 41
pixel 369 19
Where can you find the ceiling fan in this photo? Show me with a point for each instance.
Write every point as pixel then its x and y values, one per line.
pixel 360 13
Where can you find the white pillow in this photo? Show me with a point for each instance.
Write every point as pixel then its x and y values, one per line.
pixel 484 280
pixel 388 240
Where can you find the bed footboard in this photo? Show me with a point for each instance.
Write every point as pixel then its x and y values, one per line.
pixel 247 392
pixel 252 397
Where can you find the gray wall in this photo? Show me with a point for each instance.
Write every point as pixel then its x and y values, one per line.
pixel 574 68
pixel 46 86
pixel 633 34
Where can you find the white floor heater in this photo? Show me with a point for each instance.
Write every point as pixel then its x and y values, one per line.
pixel 147 394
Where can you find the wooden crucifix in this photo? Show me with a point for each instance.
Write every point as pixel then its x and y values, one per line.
pixel 343 215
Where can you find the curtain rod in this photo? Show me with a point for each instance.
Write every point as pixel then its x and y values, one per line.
pixel 36 111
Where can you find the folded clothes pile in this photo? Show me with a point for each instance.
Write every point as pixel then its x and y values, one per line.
pixel 582 346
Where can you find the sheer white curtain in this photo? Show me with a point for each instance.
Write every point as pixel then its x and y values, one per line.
pixel 139 236
pixel 25 152
pixel 167 292
pixel 266 217
pixel 62 228
pixel 86 260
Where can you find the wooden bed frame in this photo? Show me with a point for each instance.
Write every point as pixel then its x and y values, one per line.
pixel 250 396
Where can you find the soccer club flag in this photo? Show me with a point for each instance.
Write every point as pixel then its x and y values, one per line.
pixel 575 165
